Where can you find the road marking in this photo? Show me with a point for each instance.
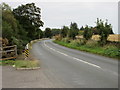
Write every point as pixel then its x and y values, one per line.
pixel 72 57
pixel 87 62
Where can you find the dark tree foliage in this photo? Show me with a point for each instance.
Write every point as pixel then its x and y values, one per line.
pixel 96 31
pixel 11 29
pixel 47 33
pixel 55 31
pixel 73 30
pixel 29 16
pixel 88 32
pixel 39 34
pixel 82 28
pixel 64 31
pixel 104 30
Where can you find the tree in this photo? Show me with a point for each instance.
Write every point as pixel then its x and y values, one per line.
pixel 9 23
pixel 82 28
pixel 64 31
pixel 88 32
pixel 73 30
pixel 55 31
pixel 5 7
pixel 6 30
pixel 104 30
pixel 11 29
pixel 29 17
pixel 39 33
pixel 47 33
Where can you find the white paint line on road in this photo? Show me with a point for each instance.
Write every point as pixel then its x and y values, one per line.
pixel 72 57
pixel 87 62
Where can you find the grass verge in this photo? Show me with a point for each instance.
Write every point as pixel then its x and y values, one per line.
pixel 26 64
pixel 109 51
pixel 21 63
pixel 7 62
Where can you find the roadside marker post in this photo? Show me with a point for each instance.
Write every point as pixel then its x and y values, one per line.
pixel 26 53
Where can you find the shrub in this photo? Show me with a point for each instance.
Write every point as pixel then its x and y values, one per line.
pixel 58 37
pixel 87 33
pixel 66 40
pixel 112 50
pixel 75 42
pixel 104 31
pixel 92 43
pixel 73 30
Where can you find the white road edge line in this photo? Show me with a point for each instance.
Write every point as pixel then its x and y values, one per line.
pixel 72 57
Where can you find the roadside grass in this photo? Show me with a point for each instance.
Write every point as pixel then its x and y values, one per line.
pixel 7 62
pixel 26 63
pixel 21 63
pixel 108 50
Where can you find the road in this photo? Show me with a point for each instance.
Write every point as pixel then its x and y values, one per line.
pixel 75 69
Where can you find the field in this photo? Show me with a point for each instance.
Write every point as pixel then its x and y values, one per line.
pixel 111 37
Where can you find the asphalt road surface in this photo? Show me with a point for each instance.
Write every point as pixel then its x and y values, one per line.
pixel 75 69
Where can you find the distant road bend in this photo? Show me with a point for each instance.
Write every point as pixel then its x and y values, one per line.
pixel 76 69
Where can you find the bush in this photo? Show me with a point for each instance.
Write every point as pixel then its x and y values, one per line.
pixel 66 40
pixel 19 44
pixel 92 43
pixel 58 37
pixel 87 33
pixel 75 42
pixel 112 51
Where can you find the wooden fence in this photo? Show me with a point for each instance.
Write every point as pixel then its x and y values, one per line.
pixel 8 52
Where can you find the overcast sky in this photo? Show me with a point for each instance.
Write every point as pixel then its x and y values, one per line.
pixel 57 14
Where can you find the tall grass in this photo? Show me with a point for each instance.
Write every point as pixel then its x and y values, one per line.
pixel 109 50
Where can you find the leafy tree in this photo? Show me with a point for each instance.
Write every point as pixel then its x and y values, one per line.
pixel 29 17
pixel 95 31
pixel 55 31
pixel 73 30
pixel 47 33
pixel 111 31
pixel 104 30
pixel 11 29
pixel 8 22
pixel 82 28
pixel 64 31
pixel 39 33
pixel 81 32
pixel 5 7
pixel 88 32
pixel 6 30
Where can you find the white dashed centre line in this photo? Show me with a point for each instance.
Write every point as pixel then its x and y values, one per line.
pixel 72 57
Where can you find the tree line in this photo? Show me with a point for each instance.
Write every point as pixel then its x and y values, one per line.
pixel 102 28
